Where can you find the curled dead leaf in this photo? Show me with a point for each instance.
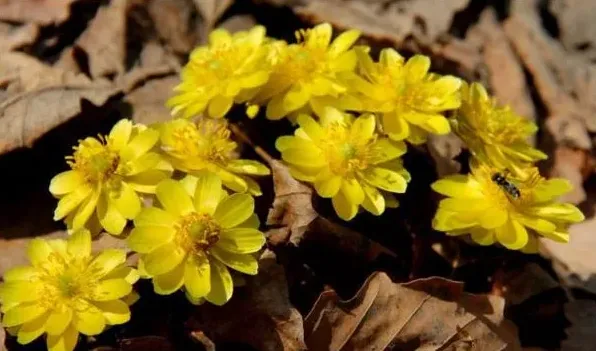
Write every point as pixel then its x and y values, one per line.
pixel 43 12
pixel 26 117
pixel 13 38
pixel 259 314
pixel 104 40
pixel 384 20
pixel 174 23
pixel 432 313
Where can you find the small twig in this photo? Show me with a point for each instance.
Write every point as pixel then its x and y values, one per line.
pixel 202 339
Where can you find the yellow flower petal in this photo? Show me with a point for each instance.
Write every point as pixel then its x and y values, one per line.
pixel 241 240
pixel 295 98
pixel 120 134
pixel 352 191
pixel 64 342
pixel 174 198
pixel 234 210
pixel 168 283
pixel 66 182
pixel 197 277
pixel 79 243
pixel 70 201
pixel 247 167
pixel 21 273
pixel 146 182
pixel 38 251
pixel 85 210
pixel 512 235
pixel 493 218
pixel 18 291
pixel 327 185
pixel 23 313
pixel 538 224
pixel 148 238
pixel 373 202
pixel 89 320
pixel 58 321
pixel 222 285
pixel 275 108
pixel 363 128
pixel 395 126
pixel 127 273
pixel 343 42
pixel 139 145
pixel 387 150
pixel 110 218
pixel 163 259
pixel 310 127
pixel 154 217
pixel 114 311
pixel 343 207
pixel 219 106
pixel 416 68
pixel 127 202
pixel 111 289
pixel 458 186
pixel 32 330
pixel 107 261
pixel 533 245
pixel 144 163
pixel 482 236
pixel 386 179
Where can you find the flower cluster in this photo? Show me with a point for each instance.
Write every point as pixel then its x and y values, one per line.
pixel 504 198
pixel 189 194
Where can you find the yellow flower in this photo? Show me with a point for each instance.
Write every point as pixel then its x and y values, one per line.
pixel 347 161
pixel 411 100
pixel 495 135
pixel 193 240
pixel 206 145
pixel 106 174
pixel 66 291
pixel 495 206
pixel 216 74
pixel 306 73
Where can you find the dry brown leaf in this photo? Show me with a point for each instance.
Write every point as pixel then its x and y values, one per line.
pixel 580 335
pixel 443 149
pixel 148 101
pixel 574 262
pixel 43 12
pixel 174 23
pixel 238 23
pixel 425 314
pixel 104 40
pixel 211 10
pixel 506 75
pixel 388 20
pixel 566 85
pixel 259 314
pixel 27 116
pixel 12 38
pixel 574 165
pixel 575 20
pixel 146 343
pixel 2 339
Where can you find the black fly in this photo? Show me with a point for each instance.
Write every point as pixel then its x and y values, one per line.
pixel 506 185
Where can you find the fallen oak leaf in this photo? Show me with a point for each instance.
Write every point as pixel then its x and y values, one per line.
pixel 431 314
pixel 211 10
pixel 259 314
pixel 2 339
pixel 42 12
pixel 104 40
pixel 26 117
pixel 175 22
pixel 13 38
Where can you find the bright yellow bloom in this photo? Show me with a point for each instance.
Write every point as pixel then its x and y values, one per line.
pixel 513 211
pixel 495 135
pixel 410 99
pixel 193 240
pixel 66 291
pixel 216 74
pixel 206 145
pixel 106 174
pixel 306 73
pixel 347 161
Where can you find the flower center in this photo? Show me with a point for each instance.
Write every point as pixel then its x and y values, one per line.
pixel 219 63
pixel 197 232
pixel 346 157
pixel 95 160
pixel 500 124
pixel 509 192
pixel 207 140
pixel 301 63
pixel 66 280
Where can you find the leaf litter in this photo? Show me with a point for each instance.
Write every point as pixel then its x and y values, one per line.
pixel 548 78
